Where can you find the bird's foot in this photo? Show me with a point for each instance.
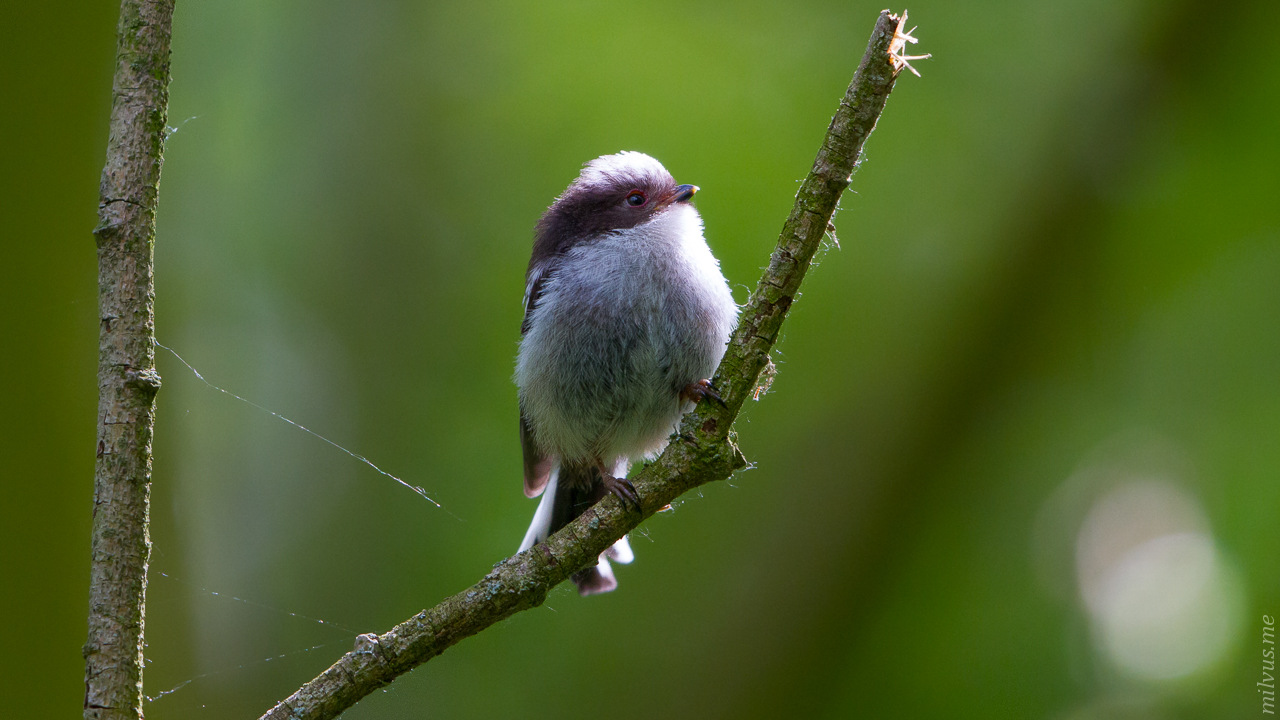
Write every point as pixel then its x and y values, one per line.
pixel 696 391
pixel 621 488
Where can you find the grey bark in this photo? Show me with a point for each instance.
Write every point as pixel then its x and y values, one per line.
pixel 703 452
pixel 127 379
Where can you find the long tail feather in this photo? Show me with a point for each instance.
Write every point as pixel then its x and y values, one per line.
pixel 564 499
pixel 540 528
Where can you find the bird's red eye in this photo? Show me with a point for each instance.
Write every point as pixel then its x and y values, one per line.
pixel 636 198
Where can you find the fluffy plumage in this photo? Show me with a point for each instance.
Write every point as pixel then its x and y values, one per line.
pixel 625 308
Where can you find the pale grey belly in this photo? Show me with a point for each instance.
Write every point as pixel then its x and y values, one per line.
pixel 601 376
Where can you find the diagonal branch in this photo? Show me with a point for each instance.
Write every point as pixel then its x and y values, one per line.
pixel 704 450
pixel 127 379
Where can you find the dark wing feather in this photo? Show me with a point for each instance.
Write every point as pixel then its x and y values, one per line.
pixel 534 280
pixel 537 466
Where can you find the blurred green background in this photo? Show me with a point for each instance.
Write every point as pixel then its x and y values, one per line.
pixel 1020 460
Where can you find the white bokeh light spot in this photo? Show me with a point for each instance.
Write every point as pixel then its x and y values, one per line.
pixel 1163 600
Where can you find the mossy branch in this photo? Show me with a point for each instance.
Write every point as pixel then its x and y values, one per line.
pixel 127 379
pixel 704 450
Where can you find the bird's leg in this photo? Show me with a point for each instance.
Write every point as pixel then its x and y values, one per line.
pixel 695 391
pixel 618 486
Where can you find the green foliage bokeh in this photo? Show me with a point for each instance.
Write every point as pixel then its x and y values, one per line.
pixel 1064 240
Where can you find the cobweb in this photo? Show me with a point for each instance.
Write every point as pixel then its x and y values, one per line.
pixel 257 663
pixel 417 489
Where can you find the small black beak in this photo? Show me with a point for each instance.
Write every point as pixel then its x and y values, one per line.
pixel 683 193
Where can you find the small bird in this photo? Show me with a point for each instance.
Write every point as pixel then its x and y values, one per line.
pixel 626 316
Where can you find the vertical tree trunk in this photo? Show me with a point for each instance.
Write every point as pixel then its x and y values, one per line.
pixel 127 380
